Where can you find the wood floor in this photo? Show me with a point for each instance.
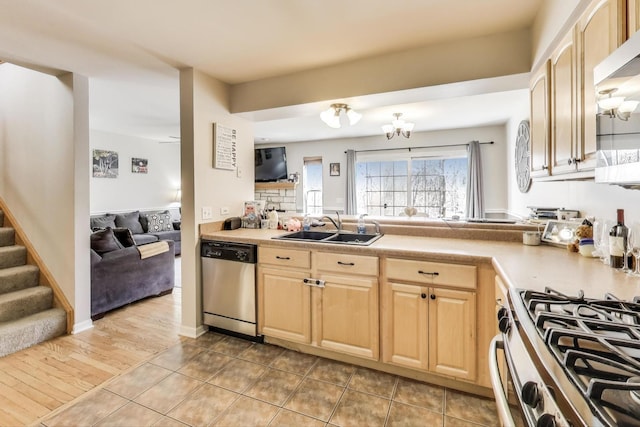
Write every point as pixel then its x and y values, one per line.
pixel 36 381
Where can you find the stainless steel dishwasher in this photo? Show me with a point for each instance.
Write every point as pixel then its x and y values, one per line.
pixel 229 287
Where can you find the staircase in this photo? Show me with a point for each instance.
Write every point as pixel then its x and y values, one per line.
pixel 27 315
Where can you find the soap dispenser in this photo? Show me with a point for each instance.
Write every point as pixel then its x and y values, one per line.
pixel 306 223
pixel 362 228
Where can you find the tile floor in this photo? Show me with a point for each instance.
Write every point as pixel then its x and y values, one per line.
pixel 224 381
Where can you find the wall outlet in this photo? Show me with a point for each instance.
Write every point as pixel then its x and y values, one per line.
pixel 224 211
pixel 239 172
pixel 207 212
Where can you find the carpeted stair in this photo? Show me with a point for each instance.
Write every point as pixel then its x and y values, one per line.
pixel 27 316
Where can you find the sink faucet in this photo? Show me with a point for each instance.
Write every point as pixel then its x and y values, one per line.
pixel 337 225
pixel 377 224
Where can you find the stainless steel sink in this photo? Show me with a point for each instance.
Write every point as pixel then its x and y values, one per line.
pixel 330 237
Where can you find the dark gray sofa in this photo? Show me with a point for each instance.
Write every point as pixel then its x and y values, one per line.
pixel 146 226
pixel 120 276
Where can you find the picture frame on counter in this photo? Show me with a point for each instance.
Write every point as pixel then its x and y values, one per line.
pixel 560 233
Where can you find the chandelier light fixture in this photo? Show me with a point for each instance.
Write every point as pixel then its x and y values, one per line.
pixel 332 116
pixel 616 106
pixel 398 127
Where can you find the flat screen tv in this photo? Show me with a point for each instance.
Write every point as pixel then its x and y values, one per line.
pixel 271 164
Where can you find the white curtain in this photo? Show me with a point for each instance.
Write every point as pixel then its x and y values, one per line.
pixel 475 191
pixel 351 207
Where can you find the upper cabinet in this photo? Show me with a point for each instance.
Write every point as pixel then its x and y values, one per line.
pixel 564 152
pixel 563 99
pixel 601 29
pixel 633 17
pixel 539 129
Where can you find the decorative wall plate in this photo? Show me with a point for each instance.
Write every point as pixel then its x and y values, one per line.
pixel 523 166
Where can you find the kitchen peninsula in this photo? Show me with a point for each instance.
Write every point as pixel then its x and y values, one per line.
pixel 460 273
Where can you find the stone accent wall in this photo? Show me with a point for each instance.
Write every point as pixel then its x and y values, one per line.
pixel 280 199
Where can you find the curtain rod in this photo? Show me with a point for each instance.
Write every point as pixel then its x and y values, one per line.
pixel 417 148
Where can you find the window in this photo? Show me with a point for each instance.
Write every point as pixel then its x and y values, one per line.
pixel 435 185
pixel 312 185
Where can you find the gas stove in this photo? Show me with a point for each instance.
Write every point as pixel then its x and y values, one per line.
pixel 597 344
pixel 584 354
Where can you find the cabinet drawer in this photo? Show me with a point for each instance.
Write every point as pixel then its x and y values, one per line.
pixel 284 257
pixel 347 263
pixel 432 273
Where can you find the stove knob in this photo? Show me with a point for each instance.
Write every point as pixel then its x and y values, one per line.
pixel 504 325
pixel 530 394
pixel 546 420
pixel 503 312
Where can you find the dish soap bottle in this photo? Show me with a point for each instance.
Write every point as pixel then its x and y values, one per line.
pixel 362 228
pixel 306 223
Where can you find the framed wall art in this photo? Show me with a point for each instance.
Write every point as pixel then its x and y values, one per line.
pixel 105 164
pixel 224 147
pixel 139 165
pixel 334 169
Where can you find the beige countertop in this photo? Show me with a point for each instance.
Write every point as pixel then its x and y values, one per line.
pixel 520 266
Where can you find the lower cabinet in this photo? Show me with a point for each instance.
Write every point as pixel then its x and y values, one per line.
pixel 430 327
pixel 348 315
pixel 284 305
pixel 330 302
pixel 422 316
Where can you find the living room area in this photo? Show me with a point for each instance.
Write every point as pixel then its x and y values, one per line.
pixel 135 219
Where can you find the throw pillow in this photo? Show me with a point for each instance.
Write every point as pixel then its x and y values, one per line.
pixel 124 236
pixel 159 222
pixel 145 222
pixel 130 220
pixel 102 222
pixel 104 241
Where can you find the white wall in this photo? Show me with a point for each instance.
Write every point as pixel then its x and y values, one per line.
pixel 204 101
pixel 44 174
pixel 332 151
pixel 136 191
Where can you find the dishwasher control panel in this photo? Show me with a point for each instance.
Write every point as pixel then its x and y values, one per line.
pixel 230 251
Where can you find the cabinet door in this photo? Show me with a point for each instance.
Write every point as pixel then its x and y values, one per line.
pixel 347 318
pixel 633 17
pixel 404 325
pixel 563 108
pixel 284 305
pixel 452 333
pixel 539 128
pixel 600 31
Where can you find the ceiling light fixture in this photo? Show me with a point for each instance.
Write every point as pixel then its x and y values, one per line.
pixel 616 106
pixel 332 116
pixel 398 127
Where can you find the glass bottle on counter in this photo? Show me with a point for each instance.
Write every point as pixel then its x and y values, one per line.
pixel 618 242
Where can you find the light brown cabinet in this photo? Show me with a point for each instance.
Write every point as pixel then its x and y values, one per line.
pixel 564 143
pixel 600 30
pixel 540 121
pixel 633 17
pixel 430 327
pixel 331 301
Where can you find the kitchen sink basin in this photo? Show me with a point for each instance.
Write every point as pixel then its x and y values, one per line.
pixel 330 237
pixel 307 235
pixel 356 239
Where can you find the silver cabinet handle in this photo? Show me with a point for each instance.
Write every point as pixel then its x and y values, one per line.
pixel 314 282
pixel 502 404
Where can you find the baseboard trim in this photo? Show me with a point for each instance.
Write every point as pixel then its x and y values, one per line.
pixel 82 326
pixel 190 332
